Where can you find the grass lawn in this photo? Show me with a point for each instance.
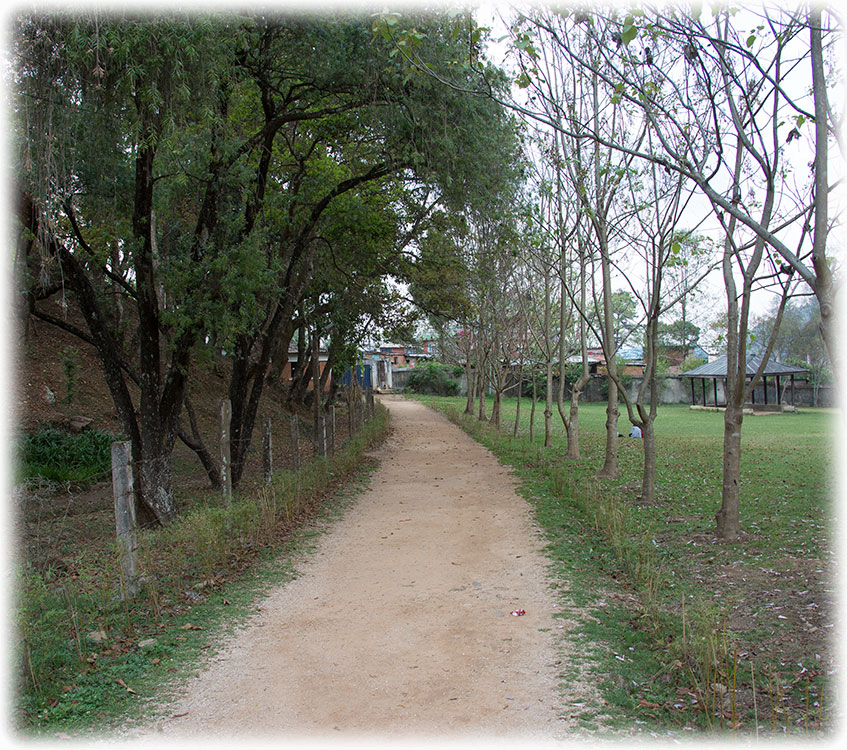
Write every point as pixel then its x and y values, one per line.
pixel 735 636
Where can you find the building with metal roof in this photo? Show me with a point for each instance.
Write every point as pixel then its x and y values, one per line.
pixel 716 371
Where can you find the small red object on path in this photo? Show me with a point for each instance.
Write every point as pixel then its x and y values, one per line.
pixel 519 612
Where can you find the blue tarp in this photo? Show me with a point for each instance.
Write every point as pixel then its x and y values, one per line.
pixel 362 373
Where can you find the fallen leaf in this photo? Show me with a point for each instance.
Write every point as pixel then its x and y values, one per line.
pixel 189 626
pixel 125 686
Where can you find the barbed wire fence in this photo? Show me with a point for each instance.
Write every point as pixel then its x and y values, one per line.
pixel 321 432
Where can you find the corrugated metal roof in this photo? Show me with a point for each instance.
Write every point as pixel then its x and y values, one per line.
pixel 717 369
pixel 631 353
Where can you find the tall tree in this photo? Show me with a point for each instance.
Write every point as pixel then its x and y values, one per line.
pixel 729 91
pixel 744 76
pixel 227 139
pixel 101 104
pixel 589 111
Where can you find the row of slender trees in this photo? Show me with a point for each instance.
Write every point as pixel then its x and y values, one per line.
pixel 661 145
pixel 233 182
pixel 243 183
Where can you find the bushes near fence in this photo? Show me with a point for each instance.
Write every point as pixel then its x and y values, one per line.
pixel 73 628
pixel 61 456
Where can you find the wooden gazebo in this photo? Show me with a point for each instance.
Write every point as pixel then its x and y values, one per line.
pixel 716 370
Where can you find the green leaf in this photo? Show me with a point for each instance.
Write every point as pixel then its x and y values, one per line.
pixel 630 30
pixel 751 40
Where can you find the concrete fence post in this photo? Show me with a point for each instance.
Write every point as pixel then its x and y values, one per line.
pixel 267 450
pixel 294 426
pixel 330 438
pixel 320 434
pixel 125 526
pixel 317 411
pixel 226 460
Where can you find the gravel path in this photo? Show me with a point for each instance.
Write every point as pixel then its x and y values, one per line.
pixel 400 623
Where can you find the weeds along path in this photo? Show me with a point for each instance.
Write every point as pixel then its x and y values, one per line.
pixel 400 623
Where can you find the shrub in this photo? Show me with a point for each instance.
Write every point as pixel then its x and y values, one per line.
pixel 432 379
pixel 62 456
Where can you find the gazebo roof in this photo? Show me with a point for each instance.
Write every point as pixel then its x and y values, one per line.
pixel 717 368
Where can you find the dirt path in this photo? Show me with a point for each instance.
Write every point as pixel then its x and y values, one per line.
pixel 400 623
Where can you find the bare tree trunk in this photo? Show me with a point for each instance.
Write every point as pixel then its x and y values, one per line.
pixel 498 383
pixel 495 417
pixel 195 442
pixel 560 391
pixel 728 523
pixel 727 517
pixel 518 405
pixel 572 421
pixel 824 285
pixel 648 477
pixel 532 408
pixel 481 378
pixel 470 379
pixel 548 356
pixel 610 463
pixel 649 388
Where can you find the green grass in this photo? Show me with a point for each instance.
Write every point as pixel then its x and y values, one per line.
pixel 665 610
pixel 90 660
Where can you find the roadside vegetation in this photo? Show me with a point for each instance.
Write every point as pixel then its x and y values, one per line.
pixel 254 200
pixel 90 658
pixel 434 379
pixel 61 456
pixel 691 632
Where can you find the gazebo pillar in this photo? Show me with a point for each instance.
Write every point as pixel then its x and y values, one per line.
pixel 715 387
pixel 693 395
